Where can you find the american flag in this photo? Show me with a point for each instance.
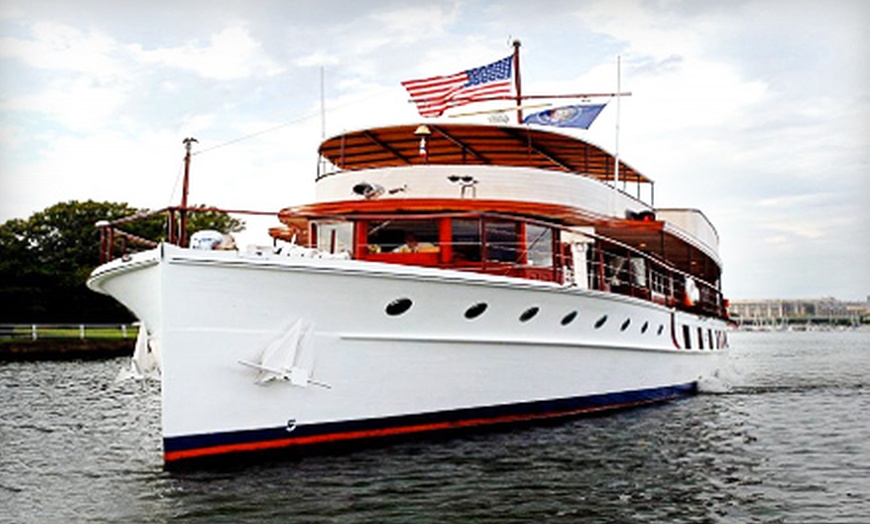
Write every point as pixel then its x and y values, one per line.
pixel 435 95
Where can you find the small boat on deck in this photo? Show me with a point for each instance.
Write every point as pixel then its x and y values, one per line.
pixel 446 276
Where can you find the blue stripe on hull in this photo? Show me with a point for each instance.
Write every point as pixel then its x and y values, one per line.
pixel 214 445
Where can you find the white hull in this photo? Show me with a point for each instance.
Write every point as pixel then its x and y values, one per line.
pixel 353 370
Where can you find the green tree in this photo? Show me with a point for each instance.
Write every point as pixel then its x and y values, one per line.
pixel 46 259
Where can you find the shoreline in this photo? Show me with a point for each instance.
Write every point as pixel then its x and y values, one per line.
pixel 64 349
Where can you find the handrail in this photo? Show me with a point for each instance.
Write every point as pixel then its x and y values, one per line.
pixel 110 232
pixel 609 265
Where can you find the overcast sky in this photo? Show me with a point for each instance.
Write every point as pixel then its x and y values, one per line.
pixel 755 112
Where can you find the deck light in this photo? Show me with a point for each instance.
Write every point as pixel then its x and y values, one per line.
pixel 423 132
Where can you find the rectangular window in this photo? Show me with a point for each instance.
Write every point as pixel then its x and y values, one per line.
pixel 539 245
pixel 700 338
pixel 687 337
pixel 502 241
pixel 397 236
pixel 466 239
pixel 336 237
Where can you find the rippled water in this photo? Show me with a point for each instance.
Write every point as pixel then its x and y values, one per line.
pixel 786 440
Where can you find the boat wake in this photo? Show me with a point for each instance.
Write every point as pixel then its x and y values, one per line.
pixel 725 380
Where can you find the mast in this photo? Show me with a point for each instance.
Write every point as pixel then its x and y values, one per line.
pixel 517 83
pixel 188 144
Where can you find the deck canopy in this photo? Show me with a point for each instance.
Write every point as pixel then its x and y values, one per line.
pixel 473 144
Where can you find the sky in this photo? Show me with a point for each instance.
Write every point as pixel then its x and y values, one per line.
pixel 754 111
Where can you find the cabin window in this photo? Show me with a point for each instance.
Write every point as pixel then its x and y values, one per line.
pixel 567 319
pixel 402 236
pixel 398 306
pixel 466 239
pixel 539 245
pixel 616 269
pixel 700 338
pixel 687 337
pixel 529 314
pixel 476 310
pixel 335 237
pixel 502 240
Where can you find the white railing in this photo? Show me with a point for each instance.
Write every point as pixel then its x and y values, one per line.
pixel 68 331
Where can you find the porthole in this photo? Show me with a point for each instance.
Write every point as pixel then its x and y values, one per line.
pixel 529 314
pixel 567 319
pixel 398 306
pixel 644 327
pixel 475 310
pixel 661 328
pixel 625 324
pixel 600 322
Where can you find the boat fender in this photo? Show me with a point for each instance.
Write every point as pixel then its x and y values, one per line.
pixel 692 293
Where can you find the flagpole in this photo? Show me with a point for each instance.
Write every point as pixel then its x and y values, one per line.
pixel 616 148
pixel 517 84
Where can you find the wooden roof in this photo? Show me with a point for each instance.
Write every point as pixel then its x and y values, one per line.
pixel 474 144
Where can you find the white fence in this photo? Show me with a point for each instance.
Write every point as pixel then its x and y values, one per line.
pixel 77 331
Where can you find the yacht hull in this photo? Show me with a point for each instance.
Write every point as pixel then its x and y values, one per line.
pixel 262 352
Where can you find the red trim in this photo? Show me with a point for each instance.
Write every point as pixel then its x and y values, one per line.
pixel 385 432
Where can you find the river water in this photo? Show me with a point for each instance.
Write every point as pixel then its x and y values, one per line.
pixel 784 439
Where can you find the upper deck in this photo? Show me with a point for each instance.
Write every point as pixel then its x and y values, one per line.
pixel 458 164
pixel 472 144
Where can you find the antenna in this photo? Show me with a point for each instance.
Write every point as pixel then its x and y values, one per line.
pixel 322 107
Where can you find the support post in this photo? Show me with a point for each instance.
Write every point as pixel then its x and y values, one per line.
pixel 188 144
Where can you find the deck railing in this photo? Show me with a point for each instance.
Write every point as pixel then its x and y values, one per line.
pixel 632 273
pixel 114 241
pixel 610 266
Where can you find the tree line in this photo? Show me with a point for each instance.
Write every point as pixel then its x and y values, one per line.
pixel 46 259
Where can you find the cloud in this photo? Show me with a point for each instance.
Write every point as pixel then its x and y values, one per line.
pixel 751 110
pixel 80 104
pixel 60 47
pixel 230 54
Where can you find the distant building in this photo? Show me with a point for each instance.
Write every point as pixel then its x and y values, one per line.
pixel 777 312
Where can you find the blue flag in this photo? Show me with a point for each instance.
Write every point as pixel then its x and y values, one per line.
pixel 567 116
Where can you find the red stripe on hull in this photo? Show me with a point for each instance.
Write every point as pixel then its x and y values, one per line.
pixel 173 456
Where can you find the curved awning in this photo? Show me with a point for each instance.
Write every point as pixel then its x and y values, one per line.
pixel 474 144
